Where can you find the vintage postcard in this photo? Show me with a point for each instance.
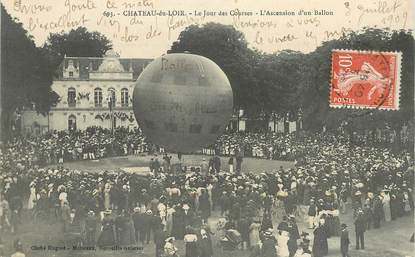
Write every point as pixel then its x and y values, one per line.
pixel 174 128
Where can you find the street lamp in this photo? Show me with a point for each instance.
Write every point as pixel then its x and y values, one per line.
pixel 110 106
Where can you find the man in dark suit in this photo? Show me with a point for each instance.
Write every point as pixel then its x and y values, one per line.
pixel 377 212
pixel 360 228
pixel 155 223
pixel 268 244
pixel 159 239
pixel 148 222
pixel 239 159
pixel 225 203
pixel 344 241
pixel 91 223
pixel 144 198
pixel 151 165
pixel 216 163
pixel 205 244
pixel 138 220
pixel 66 216
pixel 188 215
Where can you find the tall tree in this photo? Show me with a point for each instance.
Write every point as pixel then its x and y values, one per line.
pixel 278 79
pixel 77 42
pixel 228 48
pixel 26 73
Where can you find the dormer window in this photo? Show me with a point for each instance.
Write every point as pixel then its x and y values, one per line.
pixel 71 71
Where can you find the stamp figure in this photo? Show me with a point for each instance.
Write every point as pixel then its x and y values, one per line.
pixel 363 79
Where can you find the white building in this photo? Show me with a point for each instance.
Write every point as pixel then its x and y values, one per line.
pixel 93 92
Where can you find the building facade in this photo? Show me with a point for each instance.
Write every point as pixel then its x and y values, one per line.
pixel 98 92
pixel 92 92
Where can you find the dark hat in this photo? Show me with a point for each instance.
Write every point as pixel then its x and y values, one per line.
pixel 343 225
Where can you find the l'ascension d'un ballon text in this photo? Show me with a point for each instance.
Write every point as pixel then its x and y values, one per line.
pixel 182 102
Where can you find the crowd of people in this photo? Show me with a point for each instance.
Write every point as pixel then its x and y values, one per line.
pixel 280 146
pixel 97 142
pixel 259 209
pixel 55 147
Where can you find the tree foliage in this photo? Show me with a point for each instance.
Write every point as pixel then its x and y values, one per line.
pixel 77 42
pixel 288 81
pixel 228 48
pixel 26 73
pixel 278 80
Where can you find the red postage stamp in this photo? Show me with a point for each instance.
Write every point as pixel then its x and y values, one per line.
pixel 365 79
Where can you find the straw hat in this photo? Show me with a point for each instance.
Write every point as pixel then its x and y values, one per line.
pixel 169 239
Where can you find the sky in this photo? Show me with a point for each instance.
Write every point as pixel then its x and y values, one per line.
pixel 146 29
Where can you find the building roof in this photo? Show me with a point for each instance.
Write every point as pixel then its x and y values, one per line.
pixel 85 64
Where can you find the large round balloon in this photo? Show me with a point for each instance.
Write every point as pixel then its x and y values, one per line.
pixel 182 102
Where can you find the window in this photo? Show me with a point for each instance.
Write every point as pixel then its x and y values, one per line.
pixel 72 122
pixel 71 74
pixel 124 97
pixel 98 97
pixel 195 128
pixel 170 126
pixel 71 97
pixel 214 129
pixel 111 97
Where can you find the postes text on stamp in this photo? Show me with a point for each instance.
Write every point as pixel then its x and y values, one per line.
pixel 365 79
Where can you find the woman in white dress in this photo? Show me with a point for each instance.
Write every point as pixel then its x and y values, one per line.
pixel 107 202
pixel 386 205
pixel 32 197
pixel 169 248
pixel 169 219
pixel 63 196
pixel 161 207
pixel 282 242
pixel 254 233
pixel 407 206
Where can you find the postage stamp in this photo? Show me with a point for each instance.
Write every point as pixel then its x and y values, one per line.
pixel 365 79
